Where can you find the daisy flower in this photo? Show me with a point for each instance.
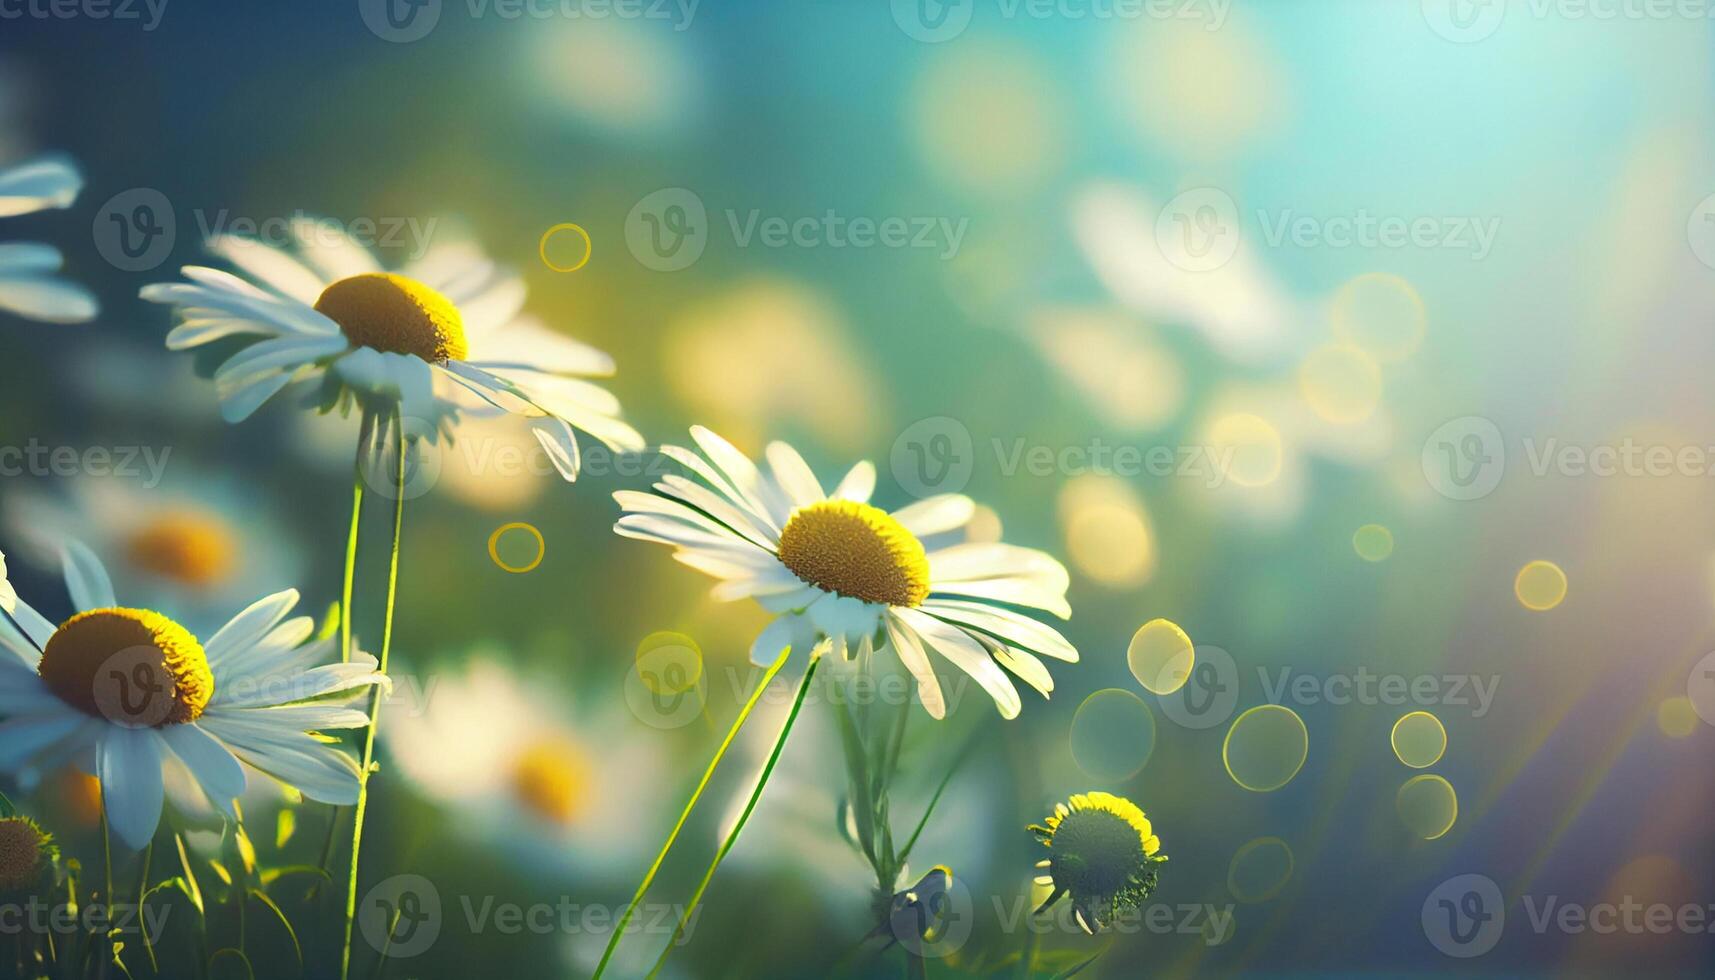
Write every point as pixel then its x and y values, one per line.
pixel 1104 857
pixel 441 336
pixel 124 692
pixel 200 543
pixel 832 566
pixel 28 285
pixel 27 856
pixel 519 768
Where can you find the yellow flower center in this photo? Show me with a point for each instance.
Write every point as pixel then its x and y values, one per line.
pixel 395 314
pixel 21 847
pixel 855 550
pixel 129 666
pixel 550 780
pixel 188 547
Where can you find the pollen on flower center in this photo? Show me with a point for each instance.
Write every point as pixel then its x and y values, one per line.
pixel 24 851
pixel 550 780
pixel 855 550
pixel 188 547
pixel 395 314
pixel 129 666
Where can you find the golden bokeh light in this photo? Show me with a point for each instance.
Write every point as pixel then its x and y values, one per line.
pixel 1419 739
pixel 1259 870
pixel 1341 384
pixel 1266 747
pixel 987 119
pixel 1249 446
pixel 1381 315
pixel 1373 542
pixel 1113 735
pixel 1427 806
pixel 1160 656
pixel 1109 538
pixel 1540 586
pixel 1677 717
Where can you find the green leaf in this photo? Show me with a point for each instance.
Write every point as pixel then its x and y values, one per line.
pixel 857 775
pixel 233 956
pixel 189 882
pixel 6 807
pixel 1074 971
pixel 287 826
pixel 297 948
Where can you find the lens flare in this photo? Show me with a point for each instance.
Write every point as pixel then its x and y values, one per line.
pixel 1419 739
pixel 1113 735
pixel 1266 747
pixel 1160 656
pixel 1342 384
pixel 1427 806
pixel 1259 870
pixel 1540 586
pixel 1380 314
pixel 1373 542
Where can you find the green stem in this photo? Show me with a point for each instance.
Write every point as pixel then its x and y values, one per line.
pixel 749 806
pixel 143 890
pixel 708 774
pixel 364 435
pixel 368 762
pixel 106 886
pixel 958 761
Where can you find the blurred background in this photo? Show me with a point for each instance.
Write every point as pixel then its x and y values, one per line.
pixel 1366 341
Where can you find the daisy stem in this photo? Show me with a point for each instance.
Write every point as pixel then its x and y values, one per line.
pixel 106 880
pixel 365 433
pixel 708 774
pixel 749 806
pixel 368 763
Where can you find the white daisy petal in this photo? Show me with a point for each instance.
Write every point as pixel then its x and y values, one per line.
pixel 86 578
pixel 22 691
pixel 794 475
pixel 249 626
pixel 937 514
pixel 560 443
pixel 1013 628
pixel 37 629
pixel 319 771
pixel 49 182
pixel 905 643
pixel 329 251
pixel 859 483
pixel 23 737
pixel 275 267
pixel 752 487
pixel 216 771
pixel 128 763
pixel 968 655
pixel 47 299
